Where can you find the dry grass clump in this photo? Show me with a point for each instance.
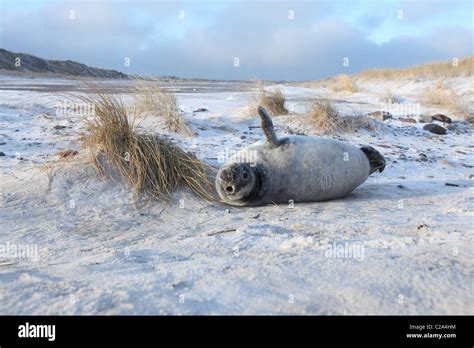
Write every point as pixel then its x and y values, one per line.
pixel 388 97
pixel 442 96
pixel 465 67
pixel 327 120
pixel 272 100
pixel 344 83
pixel 151 99
pixel 146 162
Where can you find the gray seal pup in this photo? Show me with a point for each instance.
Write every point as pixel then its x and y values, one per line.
pixel 294 169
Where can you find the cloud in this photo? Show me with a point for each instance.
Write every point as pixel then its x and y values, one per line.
pixel 268 42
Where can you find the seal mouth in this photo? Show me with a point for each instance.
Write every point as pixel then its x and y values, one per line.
pixel 229 189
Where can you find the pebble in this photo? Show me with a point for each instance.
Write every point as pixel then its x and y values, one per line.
pixel 435 128
pixel 423 157
pixel 441 118
pixel 407 120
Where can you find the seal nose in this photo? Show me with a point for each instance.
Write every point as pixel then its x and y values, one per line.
pixel 229 189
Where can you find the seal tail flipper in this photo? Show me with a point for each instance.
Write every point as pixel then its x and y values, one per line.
pixel 267 126
pixel 376 159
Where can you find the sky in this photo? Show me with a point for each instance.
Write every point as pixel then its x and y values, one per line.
pixel 275 40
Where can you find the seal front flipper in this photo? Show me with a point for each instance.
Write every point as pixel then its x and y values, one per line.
pixel 376 159
pixel 267 126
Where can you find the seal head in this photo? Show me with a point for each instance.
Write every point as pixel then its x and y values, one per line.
pixel 239 183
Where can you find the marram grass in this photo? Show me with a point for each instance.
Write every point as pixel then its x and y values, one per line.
pixel 327 120
pixel 148 163
pixel 273 100
pixel 151 98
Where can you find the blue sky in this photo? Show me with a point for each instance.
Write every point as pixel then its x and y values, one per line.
pixel 279 40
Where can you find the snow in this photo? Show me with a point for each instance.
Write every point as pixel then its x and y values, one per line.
pixel 402 243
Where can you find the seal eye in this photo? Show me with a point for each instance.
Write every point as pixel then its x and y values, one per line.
pixel 245 175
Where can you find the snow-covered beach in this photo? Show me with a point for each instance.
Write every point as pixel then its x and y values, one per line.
pixel 401 243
